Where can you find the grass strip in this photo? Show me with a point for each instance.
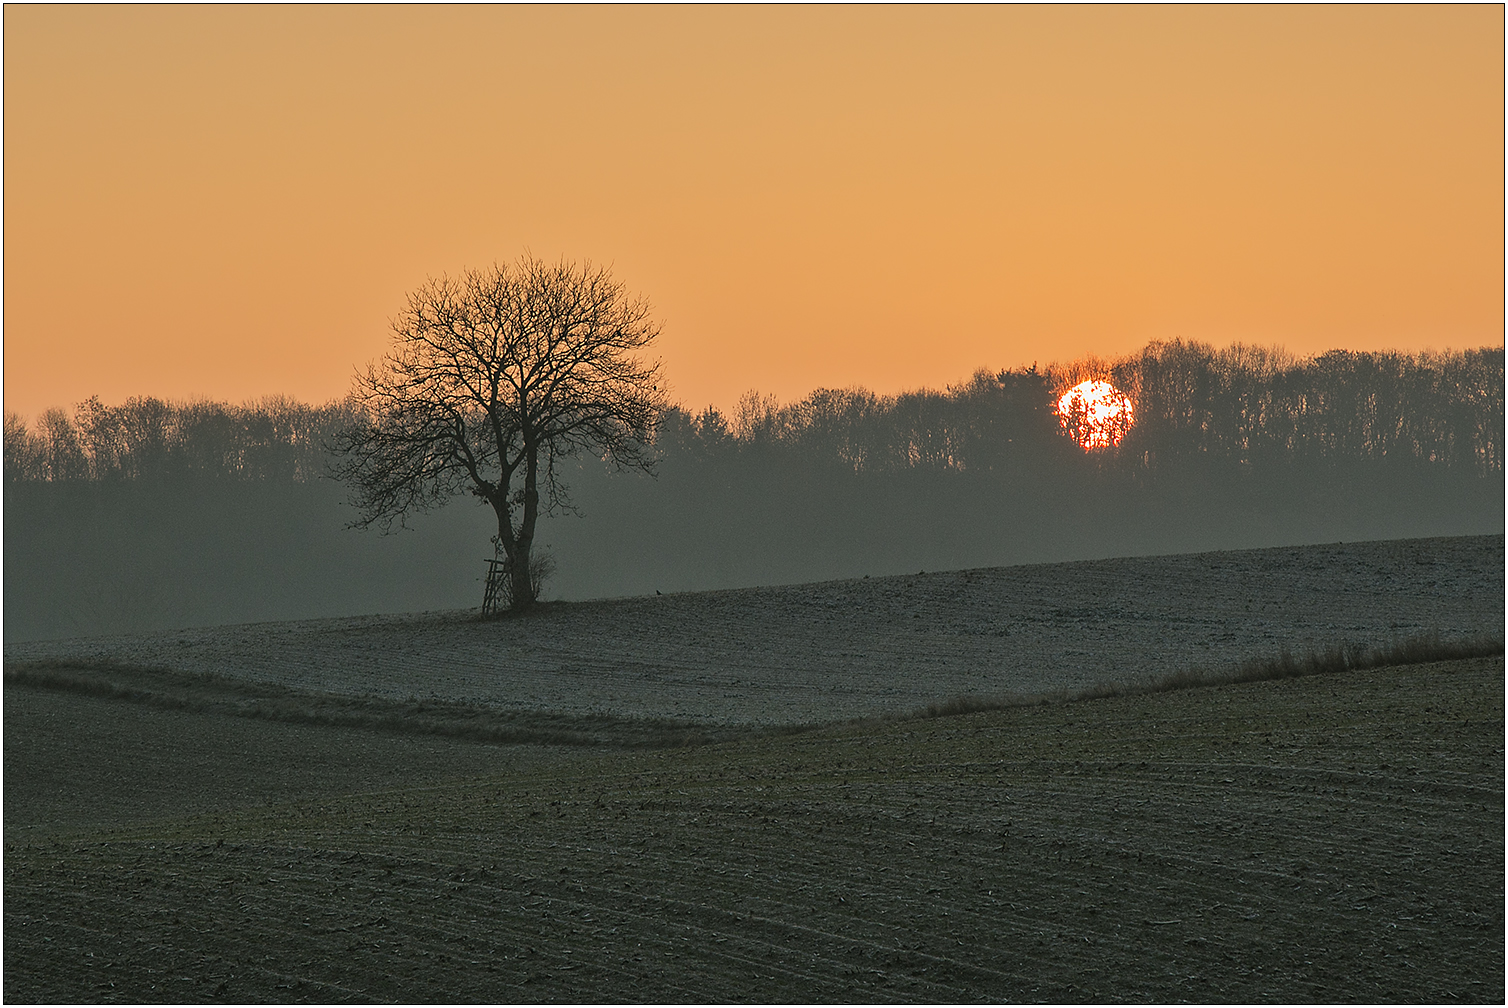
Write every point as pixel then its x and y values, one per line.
pixel 171 689
pixel 1416 650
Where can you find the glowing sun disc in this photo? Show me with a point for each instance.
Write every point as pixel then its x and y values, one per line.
pixel 1095 413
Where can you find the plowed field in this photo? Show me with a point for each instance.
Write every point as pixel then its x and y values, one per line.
pixel 1335 838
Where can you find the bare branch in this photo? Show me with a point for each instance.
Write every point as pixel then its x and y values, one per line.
pixel 493 377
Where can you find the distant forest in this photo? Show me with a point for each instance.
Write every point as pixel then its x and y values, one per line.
pixel 1194 404
pixel 152 514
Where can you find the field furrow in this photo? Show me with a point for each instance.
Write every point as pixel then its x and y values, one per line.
pixel 1197 845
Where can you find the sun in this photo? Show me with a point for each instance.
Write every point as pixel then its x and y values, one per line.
pixel 1096 414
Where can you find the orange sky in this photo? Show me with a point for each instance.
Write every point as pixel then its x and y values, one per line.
pixel 230 202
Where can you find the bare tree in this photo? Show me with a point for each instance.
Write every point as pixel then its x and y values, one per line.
pixel 495 376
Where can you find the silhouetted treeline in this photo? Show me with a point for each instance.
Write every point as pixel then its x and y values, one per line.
pixel 1242 404
pixel 1252 404
pixel 145 438
pixel 993 421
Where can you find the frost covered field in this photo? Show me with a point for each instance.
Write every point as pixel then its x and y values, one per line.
pixel 841 649
pixel 1308 840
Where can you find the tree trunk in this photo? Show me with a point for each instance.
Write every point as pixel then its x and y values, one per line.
pixel 518 545
pixel 523 544
pixel 523 583
pixel 518 548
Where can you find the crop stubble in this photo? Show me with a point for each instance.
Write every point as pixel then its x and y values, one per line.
pixel 1338 838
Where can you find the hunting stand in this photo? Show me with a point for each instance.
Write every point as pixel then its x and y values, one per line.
pixel 495 597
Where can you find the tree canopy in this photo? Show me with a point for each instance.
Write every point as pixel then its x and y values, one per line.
pixel 494 377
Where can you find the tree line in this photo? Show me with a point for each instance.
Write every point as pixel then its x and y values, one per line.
pixel 144 438
pixel 1252 404
pixel 1241 405
pixel 1193 403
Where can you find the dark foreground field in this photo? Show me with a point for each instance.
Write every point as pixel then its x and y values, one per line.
pixel 1334 838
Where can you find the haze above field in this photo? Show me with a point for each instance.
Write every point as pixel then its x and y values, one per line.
pixel 232 202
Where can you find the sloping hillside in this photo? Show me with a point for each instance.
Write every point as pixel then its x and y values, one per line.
pixel 873 645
